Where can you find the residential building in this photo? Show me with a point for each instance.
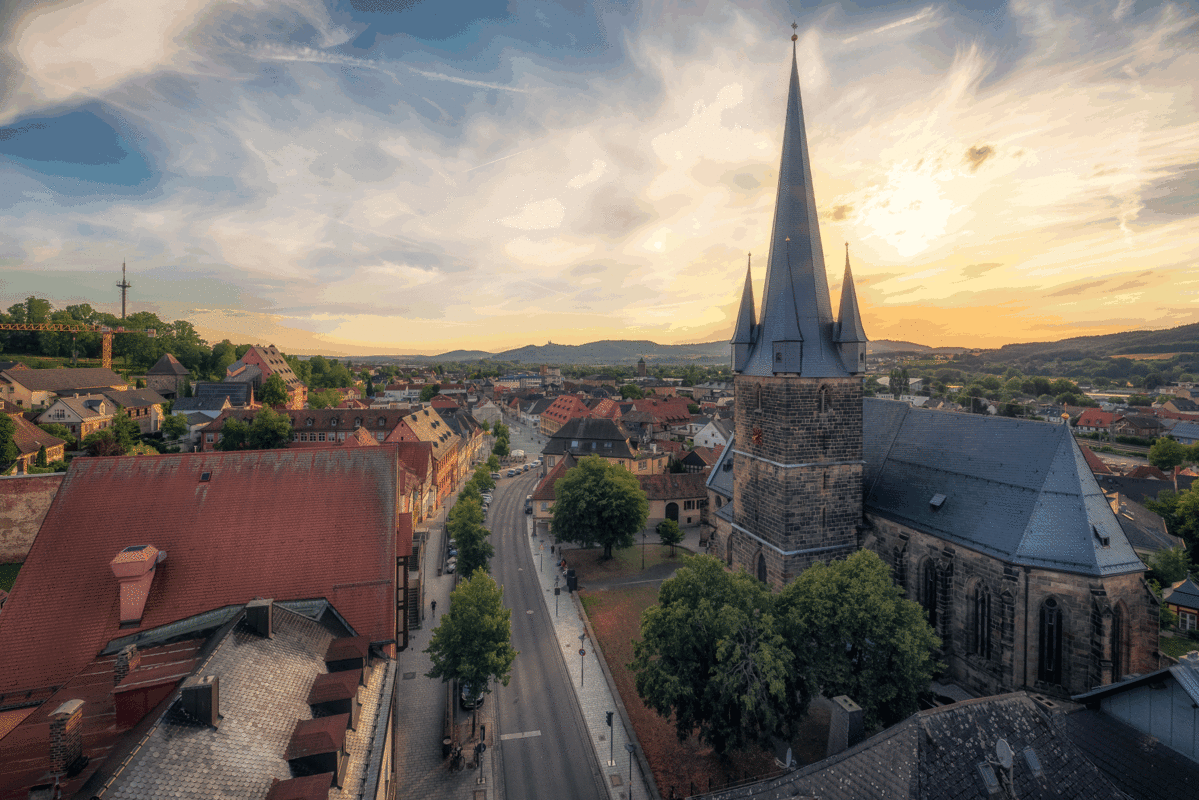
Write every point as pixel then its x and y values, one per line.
pixel 82 416
pixel 1183 600
pixel 143 406
pixel 680 496
pixel 564 408
pixel 258 364
pixel 168 377
pixel 715 434
pixel 37 388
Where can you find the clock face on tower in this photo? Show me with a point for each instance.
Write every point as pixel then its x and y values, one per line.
pixel 757 434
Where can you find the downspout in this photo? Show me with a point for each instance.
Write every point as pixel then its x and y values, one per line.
pixel 1027 570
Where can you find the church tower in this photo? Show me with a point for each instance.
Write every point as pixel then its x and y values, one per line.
pixel 797 463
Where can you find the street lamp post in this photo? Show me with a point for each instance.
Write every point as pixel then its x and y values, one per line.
pixel 582 652
pixel 643 550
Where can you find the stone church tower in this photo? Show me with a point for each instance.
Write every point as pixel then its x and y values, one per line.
pixel 798 377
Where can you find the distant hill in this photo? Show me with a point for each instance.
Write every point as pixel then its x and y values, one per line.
pixel 624 351
pixel 1183 339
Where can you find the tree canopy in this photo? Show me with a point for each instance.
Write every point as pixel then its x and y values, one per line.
pixel 274 390
pixel 429 392
pixel 712 657
pixel 670 533
pixel 8 447
pixel 737 664
pixel 175 426
pixel 269 429
pixel 473 640
pixel 1166 453
pixel 600 503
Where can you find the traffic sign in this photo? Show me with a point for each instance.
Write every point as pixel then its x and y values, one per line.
pixel 582 652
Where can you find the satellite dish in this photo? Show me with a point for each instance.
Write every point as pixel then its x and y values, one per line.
pixel 1004 752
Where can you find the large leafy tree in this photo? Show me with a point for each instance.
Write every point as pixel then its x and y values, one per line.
pixel 473 640
pixel 597 502
pixel 859 636
pixel 235 435
pixel 8 447
pixel 670 533
pixel 1167 453
pixel 274 390
pixel 269 430
pixel 429 392
pixel 125 430
pixel 175 426
pixel 711 656
pixel 465 526
pixel 325 398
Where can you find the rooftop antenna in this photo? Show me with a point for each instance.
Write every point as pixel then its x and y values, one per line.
pixel 124 286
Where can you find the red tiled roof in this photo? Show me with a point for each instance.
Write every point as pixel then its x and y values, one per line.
pixel 666 410
pixel 361 437
pixel 1148 471
pixel 566 408
pixel 417 457
pixel 310 787
pixel 334 686
pixel 545 489
pixel 316 736
pixel 710 455
pixel 668 446
pixel 1094 418
pixel 674 486
pixel 606 409
pixel 1094 462
pixel 265 524
pixel 441 401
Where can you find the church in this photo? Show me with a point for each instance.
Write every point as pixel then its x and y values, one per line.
pixel 995 526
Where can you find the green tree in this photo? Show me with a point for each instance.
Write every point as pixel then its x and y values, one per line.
pixel 40 459
pixel 860 636
pixel 693 408
pixel 125 430
pixel 235 435
pixel 501 448
pixel 485 425
pixel 473 640
pixel 711 657
pixel 1169 566
pixel 103 443
pixel 61 431
pixel 274 390
pixel 8 446
pixel 482 478
pixel 670 533
pixel 175 427
pixel 1166 453
pixel 493 463
pixel 598 503
pixel 631 391
pixel 674 466
pixel 269 430
pixel 326 398
pixel 429 391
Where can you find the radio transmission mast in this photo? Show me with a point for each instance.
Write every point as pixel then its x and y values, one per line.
pixel 124 286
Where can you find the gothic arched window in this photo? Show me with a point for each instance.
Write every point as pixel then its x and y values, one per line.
pixel 901 570
pixel 982 621
pixel 1049 663
pixel 761 568
pixel 823 399
pixel 928 591
pixel 758 397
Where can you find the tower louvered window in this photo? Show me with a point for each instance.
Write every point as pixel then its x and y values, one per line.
pixel 982 621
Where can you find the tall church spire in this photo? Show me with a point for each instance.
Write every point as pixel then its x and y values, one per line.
pixel 796 331
pixel 743 332
pixel 851 336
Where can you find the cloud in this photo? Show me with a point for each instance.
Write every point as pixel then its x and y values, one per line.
pixel 538 216
pixel 840 212
pixel 1079 289
pixel 978 270
pixel 975 156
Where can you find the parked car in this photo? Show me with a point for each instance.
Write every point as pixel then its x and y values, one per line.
pixel 537 463
pixel 525 468
pixel 451 564
pixel 511 472
pixel 452 552
pixel 470 696
pixel 486 499
pixel 529 504
pixel 495 476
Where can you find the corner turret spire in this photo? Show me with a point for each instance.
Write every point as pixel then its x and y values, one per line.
pixel 743 332
pixel 795 334
pixel 851 336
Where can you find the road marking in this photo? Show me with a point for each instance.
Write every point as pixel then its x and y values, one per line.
pixel 525 735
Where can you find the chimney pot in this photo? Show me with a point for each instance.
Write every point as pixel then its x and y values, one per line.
pixel 127 661
pixel 260 616
pixel 846 727
pixel 200 699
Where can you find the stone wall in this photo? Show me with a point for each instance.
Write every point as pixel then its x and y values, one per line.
pixel 24 501
pixel 1089 606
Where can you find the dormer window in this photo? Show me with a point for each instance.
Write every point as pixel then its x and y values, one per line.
pixel 308 422
pixel 333 422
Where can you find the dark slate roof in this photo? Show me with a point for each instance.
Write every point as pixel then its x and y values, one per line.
pixel 795 304
pixel 1139 489
pixel 54 380
pixel 720 479
pixel 167 365
pixel 1146 531
pixel 933 755
pixel 849 320
pixel 239 394
pixel 594 437
pixel 1016 489
pixel 1139 764
pixel 264 688
pixel 135 397
pixel 206 403
pixel 1184 594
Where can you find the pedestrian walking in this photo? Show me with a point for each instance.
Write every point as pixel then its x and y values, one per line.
pixel 434 606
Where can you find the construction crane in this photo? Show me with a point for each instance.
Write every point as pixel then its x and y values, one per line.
pixel 106 331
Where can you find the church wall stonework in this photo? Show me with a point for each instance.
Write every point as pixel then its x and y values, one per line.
pixel 798 475
pixel 1087 603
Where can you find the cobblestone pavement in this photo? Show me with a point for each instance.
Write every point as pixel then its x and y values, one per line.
pixel 595 696
pixel 423 772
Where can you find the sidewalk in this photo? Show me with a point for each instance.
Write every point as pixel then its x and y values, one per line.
pixel 422 771
pixel 595 696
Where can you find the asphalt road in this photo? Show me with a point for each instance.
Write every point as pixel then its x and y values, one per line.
pixel 558 761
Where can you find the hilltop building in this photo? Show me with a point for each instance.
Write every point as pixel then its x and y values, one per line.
pixel 996 526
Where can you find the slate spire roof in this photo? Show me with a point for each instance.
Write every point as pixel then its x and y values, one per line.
pixel 743 333
pixel 796 329
pixel 849 321
pixel 167 365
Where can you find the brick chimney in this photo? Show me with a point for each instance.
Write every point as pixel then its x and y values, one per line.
pixel 260 616
pixel 127 660
pixel 846 727
pixel 134 568
pixel 66 736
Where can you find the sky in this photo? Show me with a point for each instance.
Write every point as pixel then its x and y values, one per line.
pixel 354 177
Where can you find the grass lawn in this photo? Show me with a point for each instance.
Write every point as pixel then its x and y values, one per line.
pixel 1176 646
pixel 624 563
pixel 8 574
pixel 615 616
